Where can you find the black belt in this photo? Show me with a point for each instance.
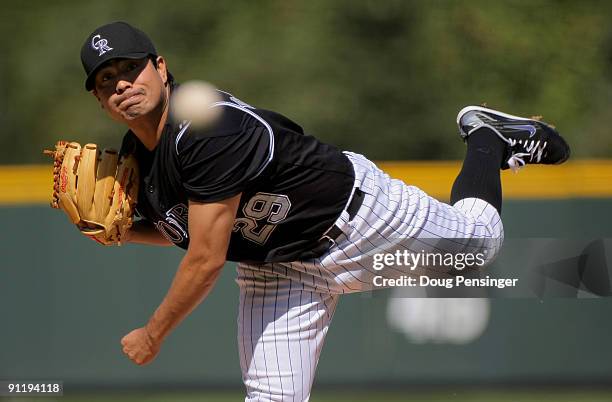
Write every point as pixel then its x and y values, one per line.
pixel 329 238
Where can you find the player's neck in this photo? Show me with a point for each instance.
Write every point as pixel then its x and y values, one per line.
pixel 150 128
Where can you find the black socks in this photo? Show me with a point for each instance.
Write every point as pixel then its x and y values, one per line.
pixel 480 175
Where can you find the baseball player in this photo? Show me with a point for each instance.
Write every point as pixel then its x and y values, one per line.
pixel 302 218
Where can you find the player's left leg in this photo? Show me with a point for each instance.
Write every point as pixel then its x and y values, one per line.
pixel 397 218
pixel 282 325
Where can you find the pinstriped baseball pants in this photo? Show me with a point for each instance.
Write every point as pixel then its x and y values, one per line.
pixel 285 309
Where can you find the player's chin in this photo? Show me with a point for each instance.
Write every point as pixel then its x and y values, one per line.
pixel 133 113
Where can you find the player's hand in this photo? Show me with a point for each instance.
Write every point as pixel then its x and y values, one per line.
pixel 140 347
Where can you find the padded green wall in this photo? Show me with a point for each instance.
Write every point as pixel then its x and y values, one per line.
pixel 65 303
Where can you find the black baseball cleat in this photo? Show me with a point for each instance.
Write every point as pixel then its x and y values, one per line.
pixel 529 140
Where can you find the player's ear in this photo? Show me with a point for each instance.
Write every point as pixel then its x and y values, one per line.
pixel 162 69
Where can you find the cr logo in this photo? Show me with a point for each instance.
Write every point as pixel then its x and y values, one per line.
pixel 100 44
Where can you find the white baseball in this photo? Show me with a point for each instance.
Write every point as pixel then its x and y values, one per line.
pixel 193 101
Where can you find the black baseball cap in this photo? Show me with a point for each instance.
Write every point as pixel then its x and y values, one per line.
pixel 112 41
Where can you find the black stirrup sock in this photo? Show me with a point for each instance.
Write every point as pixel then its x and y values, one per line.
pixel 480 175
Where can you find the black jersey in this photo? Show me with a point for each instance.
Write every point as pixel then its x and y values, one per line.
pixel 293 186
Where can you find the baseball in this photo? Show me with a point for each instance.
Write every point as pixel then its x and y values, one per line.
pixel 193 101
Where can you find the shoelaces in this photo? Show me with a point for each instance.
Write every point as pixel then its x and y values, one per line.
pixel 532 149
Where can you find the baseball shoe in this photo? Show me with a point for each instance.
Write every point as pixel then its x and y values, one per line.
pixel 529 140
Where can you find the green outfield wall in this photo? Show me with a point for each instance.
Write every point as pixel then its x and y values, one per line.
pixel 65 303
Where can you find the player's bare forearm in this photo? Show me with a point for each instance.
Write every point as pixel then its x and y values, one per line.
pixel 193 281
pixel 143 232
pixel 210 227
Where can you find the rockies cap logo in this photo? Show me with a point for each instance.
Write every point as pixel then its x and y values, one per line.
pixel 100 44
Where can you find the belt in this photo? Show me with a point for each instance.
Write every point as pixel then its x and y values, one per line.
pixel 330 237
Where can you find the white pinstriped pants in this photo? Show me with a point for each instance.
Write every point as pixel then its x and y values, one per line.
pixel 286 308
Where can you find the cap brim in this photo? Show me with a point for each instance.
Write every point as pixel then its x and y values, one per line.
pixel 89 82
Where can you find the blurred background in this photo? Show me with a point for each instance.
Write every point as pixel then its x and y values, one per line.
pixel 383 78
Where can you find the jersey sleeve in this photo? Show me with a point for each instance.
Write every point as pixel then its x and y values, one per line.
pixel 223 161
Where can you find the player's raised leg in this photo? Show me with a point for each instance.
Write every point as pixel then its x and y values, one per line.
pixel 281 330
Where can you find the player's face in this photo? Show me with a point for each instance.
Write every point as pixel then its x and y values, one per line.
pixel 131 89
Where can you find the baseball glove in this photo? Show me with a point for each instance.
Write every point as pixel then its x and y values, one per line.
pixel 98 191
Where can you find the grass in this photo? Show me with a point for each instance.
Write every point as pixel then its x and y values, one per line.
pixel 350 396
